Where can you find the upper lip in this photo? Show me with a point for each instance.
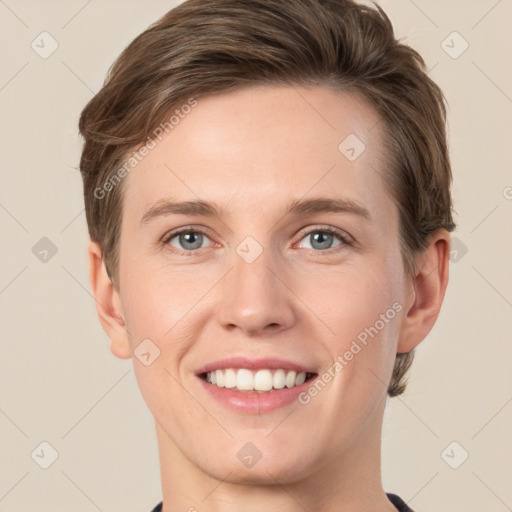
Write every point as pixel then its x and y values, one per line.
pixel 272 363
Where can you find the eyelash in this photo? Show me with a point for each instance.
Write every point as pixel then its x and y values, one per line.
pixel 346 240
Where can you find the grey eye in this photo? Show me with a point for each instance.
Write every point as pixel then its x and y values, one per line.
pixel 189 240
pixel 321 240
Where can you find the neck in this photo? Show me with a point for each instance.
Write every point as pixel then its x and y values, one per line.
pixel 348 481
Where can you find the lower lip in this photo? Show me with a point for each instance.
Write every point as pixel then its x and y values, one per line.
pixel 253 402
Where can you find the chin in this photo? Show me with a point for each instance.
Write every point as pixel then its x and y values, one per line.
pixel 273 470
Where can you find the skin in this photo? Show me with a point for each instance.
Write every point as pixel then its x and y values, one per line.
pixel 252 152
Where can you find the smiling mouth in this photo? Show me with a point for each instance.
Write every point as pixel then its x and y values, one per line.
pixel 258 381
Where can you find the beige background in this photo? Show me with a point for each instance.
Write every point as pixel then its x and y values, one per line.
pixel 59 382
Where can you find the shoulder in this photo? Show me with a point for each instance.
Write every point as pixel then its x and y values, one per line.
pixel 398 502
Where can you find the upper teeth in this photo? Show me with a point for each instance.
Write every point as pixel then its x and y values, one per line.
pixel 260 380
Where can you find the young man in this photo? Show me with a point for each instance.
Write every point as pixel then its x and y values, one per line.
pixel 267 188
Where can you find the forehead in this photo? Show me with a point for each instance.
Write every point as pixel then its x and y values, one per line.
pixel 261 144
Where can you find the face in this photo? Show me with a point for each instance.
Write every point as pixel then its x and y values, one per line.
pixel 291 263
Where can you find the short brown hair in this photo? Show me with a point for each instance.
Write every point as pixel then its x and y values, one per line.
pixel 203 47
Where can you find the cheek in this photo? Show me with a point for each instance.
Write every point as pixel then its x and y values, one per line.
pixel 167 307
pixel 355 297
pixel 156 315
pixel 362 308
pixel 155 300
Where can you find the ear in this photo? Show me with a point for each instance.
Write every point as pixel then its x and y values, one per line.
pixel 108 303
pixel 426 291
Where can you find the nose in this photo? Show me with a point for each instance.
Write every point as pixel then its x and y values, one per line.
pixel 255 298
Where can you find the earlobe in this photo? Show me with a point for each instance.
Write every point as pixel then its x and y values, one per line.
pixel 428 287
pixel 108 303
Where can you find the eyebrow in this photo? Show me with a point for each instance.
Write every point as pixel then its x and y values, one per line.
pixel 297 207
pixel 328 205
